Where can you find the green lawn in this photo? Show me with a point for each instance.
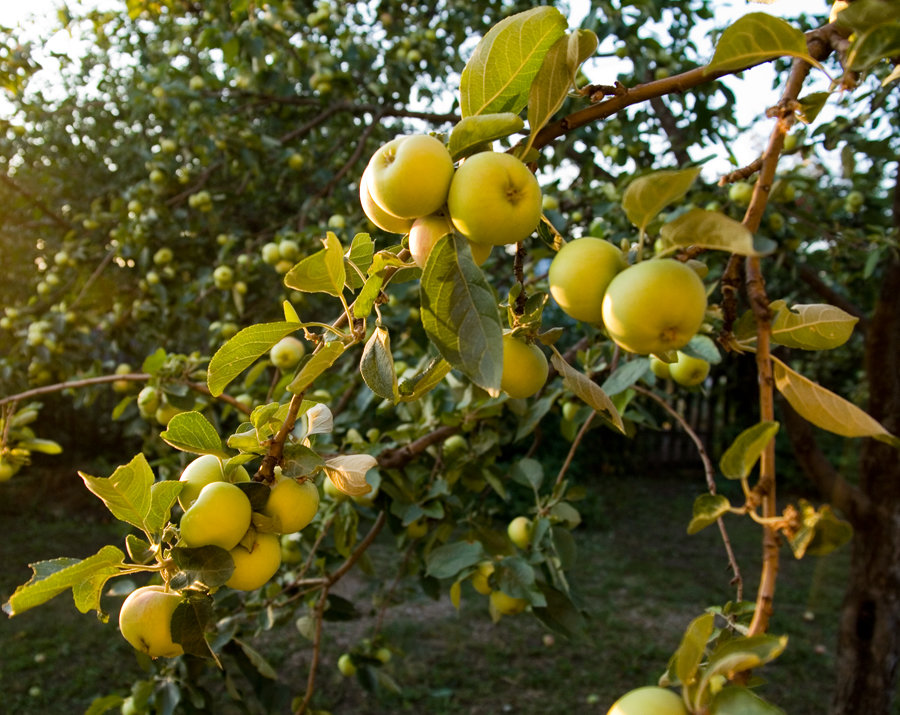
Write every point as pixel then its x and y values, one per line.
pixel 639 576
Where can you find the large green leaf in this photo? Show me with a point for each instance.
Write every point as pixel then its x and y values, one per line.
pixel 647 195
pixel 242 350
pixel 743 453
pixel 498 75
pixel 192 432
pixel 712 229
pixel 448 560
pixel 425 380
pixel 825 409
pixel 126 492
pixel 471 133
pixel 687 658
pixel 863 15
pixel 460 315
pixel 877 43
pixel 322 272
pixel 556 77
pixel 53 577
pixel 756 38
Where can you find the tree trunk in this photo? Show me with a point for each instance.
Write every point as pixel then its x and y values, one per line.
pixel 869 639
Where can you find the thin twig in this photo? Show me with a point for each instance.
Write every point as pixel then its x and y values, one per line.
pixel 575 443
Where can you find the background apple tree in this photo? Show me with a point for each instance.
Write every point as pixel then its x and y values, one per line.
pixel 186 193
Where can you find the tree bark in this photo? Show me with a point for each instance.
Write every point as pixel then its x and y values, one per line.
pixel 869 638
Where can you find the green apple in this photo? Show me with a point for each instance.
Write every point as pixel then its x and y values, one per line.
pixel 417 529
pixel 579 275
pixel 428 230
pixel 660 368
pixel 289 249
pixel 286 353
pixel 649 700
pixel 291 550
pixel 122 385
pixel 480 577
pixel 145 621
pixel 383 655
pixel 7 469
pixel 255 566
pixel 654 306
pixel 196 475
pixel 219 517
pixel 689 370
pixel 524 368
pixel 377 215
pixel 270 253
pixel 292 504
pixel 223 277
pixel 519 531
pixel 506 605
pixel 410 175
pixel 165 412
pixel 332 491
pixel 345 666
pixel 296 161
pixel 741 192
pixel 494 199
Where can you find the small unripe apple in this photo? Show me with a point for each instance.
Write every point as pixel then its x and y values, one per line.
pixel 741 192
pixel 296 161
pixel 286 353
pixel 507 605
pixel 689 370
pixel 345 666
pixel 480 578
pixel 270 253
pixel 519 531
pixel 289 249
pixel 163 256
pixel 660 368
pixel 524 368
pixel 223 277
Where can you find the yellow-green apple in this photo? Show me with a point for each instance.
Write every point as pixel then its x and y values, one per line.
pixel 292 504
pixel 519 531
pixel 649 700
pixel 145 621
pixel 654 306
pixel 254 567
pixel 410 175
pixel 286 353
pixel 480 577
pixel 660 368
pixel 196 475
pixel 689 370
pixel 579 275
pixel 377 215
pixel 219 517
pixel 346 666
pixel 507 605
pixel 524 368
pixel 494 199
pixel 426 231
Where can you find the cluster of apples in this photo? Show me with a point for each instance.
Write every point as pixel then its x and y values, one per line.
pixel 520 531
pixel 652 307
pixel 411 186
pixel 217 512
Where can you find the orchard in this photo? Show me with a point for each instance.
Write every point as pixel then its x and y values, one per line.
pixel 387 293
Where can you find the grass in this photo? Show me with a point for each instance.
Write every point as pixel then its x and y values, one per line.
pixel 639 576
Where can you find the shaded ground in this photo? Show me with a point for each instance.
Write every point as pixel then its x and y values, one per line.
pixel 639 576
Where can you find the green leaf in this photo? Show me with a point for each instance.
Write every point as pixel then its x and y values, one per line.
pixel 529 472
pixel 686 660
pixel 318 363
pixel 365 301
pixel 192 432
pixel 104 703
pixel 210 566
pixel 740 457
pixel 588 390
pixel 516 578
pixel 707 509
pixel 702 346
pixel 360 254
pixel 190 620
pixel 560 615
pixel 448 560
pixel 153 362
pixel 863 15
pixel 459 313
pixel 322 272
pixel 377 365
pixel 744 653
pixel 53 577
pixel 738 700
pixel 44 446
pixel 824 409
pixel 498 76
pixel 756 38
pixel 811 327
pixel 126 492
pixel 820 533
pixel 810 106
pixel 472 133
pixel 647 195
pixel 87 593
pixel 162 497
pixel 624 376
pixel 423 382
pixel 263 667
pixel 241 351
pixel 556 77
pixel 712 229
pixel 877 43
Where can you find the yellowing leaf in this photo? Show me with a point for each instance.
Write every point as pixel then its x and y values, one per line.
pixel 824 409
pixel 740 457
pixel 812 327
pixel 348 472
pixel 587 390
pixel 647 195
pixel 499 73
pixel 756 38
pixel 711 229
